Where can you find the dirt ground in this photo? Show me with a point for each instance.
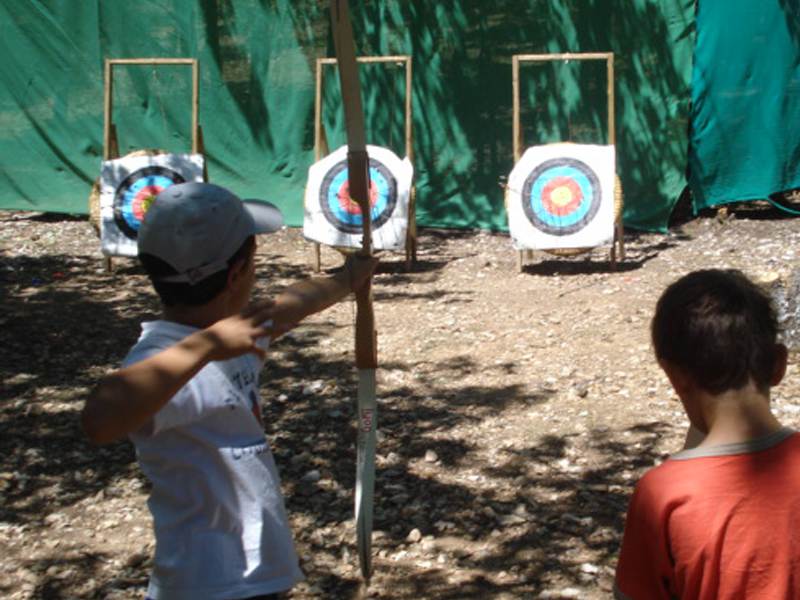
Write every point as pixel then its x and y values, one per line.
pixel 516 410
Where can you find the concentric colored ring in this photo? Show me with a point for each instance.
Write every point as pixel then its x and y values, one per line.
pixel 135 194
pixel 343 212
pixel 561 196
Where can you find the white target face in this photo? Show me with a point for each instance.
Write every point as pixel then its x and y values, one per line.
pixel 562 196
pixel 128 187
pixel 333 218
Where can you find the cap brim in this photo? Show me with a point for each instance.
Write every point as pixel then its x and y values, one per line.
pixel 267 216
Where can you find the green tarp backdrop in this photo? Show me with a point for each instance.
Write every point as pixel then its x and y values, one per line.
pixel 745 141
pixel 257 61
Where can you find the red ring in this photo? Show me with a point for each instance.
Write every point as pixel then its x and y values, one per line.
pixel 138 206
pixel 349 205
pixel 556 209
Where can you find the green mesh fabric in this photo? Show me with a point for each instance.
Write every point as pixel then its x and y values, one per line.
pixel 745 141
pixel 257 61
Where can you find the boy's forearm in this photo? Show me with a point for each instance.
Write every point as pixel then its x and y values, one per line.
pixel 128 398
pixel 310 296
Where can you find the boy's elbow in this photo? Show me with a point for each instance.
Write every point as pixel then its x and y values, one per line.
pixel 91 428
pixel 92 423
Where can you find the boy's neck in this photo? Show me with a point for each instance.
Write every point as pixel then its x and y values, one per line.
pixel 737 416
pixel 200 317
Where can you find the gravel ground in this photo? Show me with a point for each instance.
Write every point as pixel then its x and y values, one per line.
pixel 517 410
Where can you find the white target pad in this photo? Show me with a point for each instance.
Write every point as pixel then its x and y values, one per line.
pixel 332 218
pixel 129 185
pixel 562 196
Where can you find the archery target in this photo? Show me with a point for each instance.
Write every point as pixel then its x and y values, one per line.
pixel 333 218
pixel 128 187
pixel 562 196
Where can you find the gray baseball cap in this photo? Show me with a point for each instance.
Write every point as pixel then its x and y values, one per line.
pixel 197 227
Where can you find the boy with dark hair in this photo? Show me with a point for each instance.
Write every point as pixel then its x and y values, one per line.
pixel 187 395
pixel 719 520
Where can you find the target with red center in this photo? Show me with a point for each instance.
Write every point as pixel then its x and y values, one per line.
pixel 129 185
pixel 561 195
pixel 343 212
pixel 136 193
pixel 333 218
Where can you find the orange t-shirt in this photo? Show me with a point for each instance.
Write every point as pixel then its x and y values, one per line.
pixel 717 522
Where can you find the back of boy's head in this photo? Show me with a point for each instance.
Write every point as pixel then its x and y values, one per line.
pixel 191 236
pixel 718 327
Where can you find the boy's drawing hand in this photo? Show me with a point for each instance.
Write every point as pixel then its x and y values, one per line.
pixel 238 334
pixel 359 269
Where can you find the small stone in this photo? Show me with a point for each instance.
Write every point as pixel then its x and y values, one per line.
pixel 313 387
pixel 564 593
pixel 511 520
pixel 431 456
pixel 298 459
pixel 414 536
pixel 312 476
pixel 590 568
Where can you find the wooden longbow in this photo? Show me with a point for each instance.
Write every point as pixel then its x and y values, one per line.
pixel 366 339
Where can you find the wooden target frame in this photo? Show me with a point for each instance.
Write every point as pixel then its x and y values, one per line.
pixel 321 143
pixel 110 138
pixel 608 57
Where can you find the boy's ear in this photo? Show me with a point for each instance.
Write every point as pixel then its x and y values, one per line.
pixel 235 272
pixel 237 267
pixel 680 380
pixel 779 366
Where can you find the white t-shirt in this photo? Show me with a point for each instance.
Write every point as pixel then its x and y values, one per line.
pixel 220 524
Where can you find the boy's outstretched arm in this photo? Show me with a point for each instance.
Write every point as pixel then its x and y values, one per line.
pixel 128 398
pixel 310 296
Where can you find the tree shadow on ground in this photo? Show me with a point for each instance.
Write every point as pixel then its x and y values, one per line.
pixel 562 502
pixel 564 524
pixel 64 332
pixel 66 321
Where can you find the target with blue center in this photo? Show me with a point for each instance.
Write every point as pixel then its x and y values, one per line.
pixel 136 193
pixel 343 212
pixel 561 196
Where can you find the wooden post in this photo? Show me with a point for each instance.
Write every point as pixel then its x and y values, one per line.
pixel 619 227
pixel 411 233
pixel 517 135
pixel 517 141
pixel 316 260
pixel 318 112
pixel 107 93
pixel 196 108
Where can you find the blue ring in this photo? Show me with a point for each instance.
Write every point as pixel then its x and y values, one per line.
pixel 351 223
pixel 130 195
pixel 578 213
pixel 123 215
pixel 545 221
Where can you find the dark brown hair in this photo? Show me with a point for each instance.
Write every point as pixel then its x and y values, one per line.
pixel 719 327
pixel 187 294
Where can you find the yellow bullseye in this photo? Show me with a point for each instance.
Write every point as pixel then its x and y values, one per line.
pixel 561 196
pixel 147 202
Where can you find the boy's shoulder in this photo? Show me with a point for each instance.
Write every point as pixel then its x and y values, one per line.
pixel 698 470
pixel 154 337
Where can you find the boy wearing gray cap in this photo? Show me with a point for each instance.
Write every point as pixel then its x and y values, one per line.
pixel 187 396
